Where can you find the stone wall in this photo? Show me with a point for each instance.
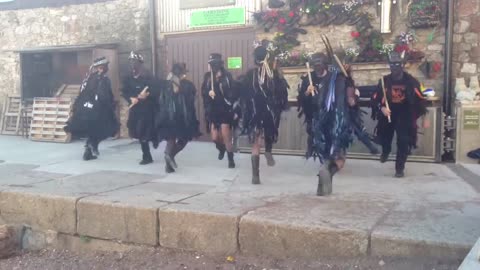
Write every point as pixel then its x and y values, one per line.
pixel 122 21
pixel 466 50
pixel 341 36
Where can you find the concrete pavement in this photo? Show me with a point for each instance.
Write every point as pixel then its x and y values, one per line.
pixel 206 207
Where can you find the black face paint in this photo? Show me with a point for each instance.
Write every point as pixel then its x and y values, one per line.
pixel 396 68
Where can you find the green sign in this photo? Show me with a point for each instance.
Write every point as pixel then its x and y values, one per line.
pixel 234 62
pixel 218 17
pixel 471 119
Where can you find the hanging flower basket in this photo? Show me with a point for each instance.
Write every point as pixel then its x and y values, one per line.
pixel 424 13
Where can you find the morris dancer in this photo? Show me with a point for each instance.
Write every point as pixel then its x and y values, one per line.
pixel 399 112
pixel 265 95
pixel 176 120
pixel 332 116
pixel 137 89
pixel 94 110
pixel 222 109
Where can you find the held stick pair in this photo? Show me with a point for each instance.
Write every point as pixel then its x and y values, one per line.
pixel 144 91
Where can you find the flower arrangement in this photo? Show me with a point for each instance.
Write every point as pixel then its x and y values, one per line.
pixel 404 43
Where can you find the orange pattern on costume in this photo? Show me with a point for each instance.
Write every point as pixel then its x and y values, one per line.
pixel 398 94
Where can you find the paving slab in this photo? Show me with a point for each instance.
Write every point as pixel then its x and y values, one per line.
pixel 131 214
pixel 446 230
pixel 206 223
pixel 309 227
pixel 18 175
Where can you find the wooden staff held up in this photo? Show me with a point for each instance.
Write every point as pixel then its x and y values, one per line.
pixel 212 91
pixel 386 100
pixel 144 91
pixel 310 77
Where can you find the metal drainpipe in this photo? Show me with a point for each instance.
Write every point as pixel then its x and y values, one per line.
pixel 447 96
pixel 449 132
pixel 153 35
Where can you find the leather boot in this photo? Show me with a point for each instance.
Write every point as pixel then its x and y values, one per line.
pixel 221 150
pixel 168 155
pixel 270 159
pixel 324 182
pixel 87 154
pixel 168 168
pixel 146 155
pixel 255 170
pixel 231 162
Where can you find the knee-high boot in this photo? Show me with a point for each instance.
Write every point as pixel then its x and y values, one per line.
pixel 170 164
pixel 231 162
pixel 325 179
pixel 268 154
pixel 146 155
pixel 255 170
pixel 221 150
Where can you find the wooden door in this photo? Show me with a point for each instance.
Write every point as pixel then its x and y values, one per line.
pixel 194 49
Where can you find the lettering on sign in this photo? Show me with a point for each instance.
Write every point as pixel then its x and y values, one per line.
pixel 471 119
pixel 218 17
pixel 234 63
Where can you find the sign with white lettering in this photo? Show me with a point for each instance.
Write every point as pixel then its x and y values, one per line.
pixel 218 17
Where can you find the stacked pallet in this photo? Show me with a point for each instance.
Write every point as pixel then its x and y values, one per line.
pixel 11 116
pixel 68 91
pixel 49 117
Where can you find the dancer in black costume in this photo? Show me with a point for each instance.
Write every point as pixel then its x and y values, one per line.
pixel 94 110
pixel 143 105
pixel 176 120
pixel 222 108
pixel 406 105
pixel 332 116
pixel 265 96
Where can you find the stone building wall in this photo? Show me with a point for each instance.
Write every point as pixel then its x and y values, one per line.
pixel 466 49
pixel 369 74
pixel 121 21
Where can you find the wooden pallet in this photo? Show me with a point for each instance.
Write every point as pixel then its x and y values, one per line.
pixel 26 118
pixel 49 117
pixel 68 91
pixel 11 116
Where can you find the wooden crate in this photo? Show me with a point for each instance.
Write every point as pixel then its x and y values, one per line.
pixel 49 117
pixel 11 116
pixel 68 91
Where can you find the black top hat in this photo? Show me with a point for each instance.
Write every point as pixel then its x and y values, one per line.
pixel 319 59
pixel 100 62
pixel 260 53
pixel 135 56
pixel 179 69
pixel 215 58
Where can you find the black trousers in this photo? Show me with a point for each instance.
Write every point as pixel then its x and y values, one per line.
pixel 402 127
pixel 92 142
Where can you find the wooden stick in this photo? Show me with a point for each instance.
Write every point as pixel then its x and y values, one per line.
pixel 339 63
pixel 386 100
pixel 212 91
pixel 310 76
pixel 144 91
